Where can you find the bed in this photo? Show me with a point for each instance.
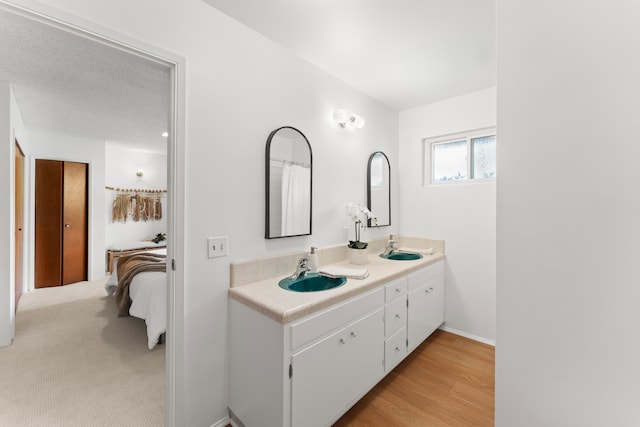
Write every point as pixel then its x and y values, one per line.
pixel 126 248
pixel 145 289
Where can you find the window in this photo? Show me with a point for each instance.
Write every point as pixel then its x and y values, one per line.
pixel 464 157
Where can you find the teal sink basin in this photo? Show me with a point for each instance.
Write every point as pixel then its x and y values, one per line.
pixel 311 282
pixel 402 256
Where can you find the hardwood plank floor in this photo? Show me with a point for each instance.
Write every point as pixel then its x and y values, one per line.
pixel 447 381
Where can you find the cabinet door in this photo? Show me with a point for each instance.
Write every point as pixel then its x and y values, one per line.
pixel 331 373
pixel 365 355
pixel 318 382
pixel 425 313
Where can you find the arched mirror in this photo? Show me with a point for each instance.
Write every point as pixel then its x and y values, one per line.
pixel 379 189
pixel 288 179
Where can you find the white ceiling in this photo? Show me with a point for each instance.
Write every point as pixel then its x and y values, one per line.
pixel 404 53
pixel 69 85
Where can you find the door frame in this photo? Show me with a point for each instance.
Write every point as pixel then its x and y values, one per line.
pixel 45 15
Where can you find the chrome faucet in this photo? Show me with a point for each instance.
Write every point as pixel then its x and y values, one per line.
pixel 391 246
pixel 301 269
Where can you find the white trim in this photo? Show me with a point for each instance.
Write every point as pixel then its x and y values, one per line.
pixel 224 422
pixel 467 335
pixel 47 15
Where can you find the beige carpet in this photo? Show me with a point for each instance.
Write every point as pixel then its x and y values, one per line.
pixel 75 363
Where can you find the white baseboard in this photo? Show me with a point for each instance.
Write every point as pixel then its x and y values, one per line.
pixel 223 423
pixel 470 336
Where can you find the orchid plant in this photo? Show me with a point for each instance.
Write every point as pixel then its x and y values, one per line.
pixel 359 213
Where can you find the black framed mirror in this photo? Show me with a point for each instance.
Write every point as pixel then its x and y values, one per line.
pixel 379 189
pixel 289 166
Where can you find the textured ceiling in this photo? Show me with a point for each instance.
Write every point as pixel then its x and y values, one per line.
pixel 404 53
pixel 69 85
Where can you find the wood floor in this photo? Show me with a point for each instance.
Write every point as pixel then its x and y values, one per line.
pixel 446 381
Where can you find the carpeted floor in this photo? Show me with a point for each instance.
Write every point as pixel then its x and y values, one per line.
pixel 75 363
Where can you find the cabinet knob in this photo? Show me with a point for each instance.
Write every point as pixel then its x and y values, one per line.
pixel 397 349
pixel 398 316
pixel 430 289
pixel 353 334
pixel 67 226
pixel 342 341
pixel 397 291
pixel 426 291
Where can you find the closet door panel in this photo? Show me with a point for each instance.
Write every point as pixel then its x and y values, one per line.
pixel 48 214
pixel 74 243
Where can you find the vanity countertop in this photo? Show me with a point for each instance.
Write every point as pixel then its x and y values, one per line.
pixel 286 306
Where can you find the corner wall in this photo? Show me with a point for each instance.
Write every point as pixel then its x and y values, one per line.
pixel 7 318
pixel 568 288
pixel 462 214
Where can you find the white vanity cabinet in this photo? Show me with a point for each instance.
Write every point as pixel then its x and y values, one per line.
pixel 426 303
pixel 331 374
pixel 395 323
pixel 310 371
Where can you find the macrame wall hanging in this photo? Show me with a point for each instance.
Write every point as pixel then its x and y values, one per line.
pixel 136 204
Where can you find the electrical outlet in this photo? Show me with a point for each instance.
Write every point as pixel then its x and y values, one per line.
pixel 217 246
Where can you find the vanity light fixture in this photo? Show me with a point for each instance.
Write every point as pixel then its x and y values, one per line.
pixel 344 118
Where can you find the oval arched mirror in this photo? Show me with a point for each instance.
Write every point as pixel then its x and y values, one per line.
pixel 288 184
pixel 379 189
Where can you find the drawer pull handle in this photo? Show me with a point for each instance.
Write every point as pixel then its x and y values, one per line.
pixel 353 334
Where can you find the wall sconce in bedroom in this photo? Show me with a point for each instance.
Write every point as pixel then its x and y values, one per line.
pixel 139 172
pixel 344 118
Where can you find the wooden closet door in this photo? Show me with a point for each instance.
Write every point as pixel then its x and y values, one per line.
pixel 19 219
pixel 74 242
pixel 61 223
pixel 48 233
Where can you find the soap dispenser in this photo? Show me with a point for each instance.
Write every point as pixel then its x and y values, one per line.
pixel 312 262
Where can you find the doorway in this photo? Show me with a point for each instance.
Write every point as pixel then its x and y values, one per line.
pixel 19 224
pixel 90 33
pixel 61 223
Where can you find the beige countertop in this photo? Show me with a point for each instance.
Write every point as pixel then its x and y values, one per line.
pixel 286 306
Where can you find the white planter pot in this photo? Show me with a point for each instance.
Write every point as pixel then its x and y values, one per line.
pixel 358 256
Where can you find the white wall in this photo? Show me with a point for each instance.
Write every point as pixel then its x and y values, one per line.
pixel 6 218
pixel 568 293
pixel 64 147
pixel 121 165
pixel 240 86
pixel 11 128
pixel 464 215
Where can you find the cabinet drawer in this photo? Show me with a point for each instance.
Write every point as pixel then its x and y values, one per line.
pixel 317 325
pixel 395 349
pixel 395 289
pixel 431 274
pixel 395 316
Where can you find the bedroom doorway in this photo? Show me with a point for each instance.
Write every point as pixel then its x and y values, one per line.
pixel 174 146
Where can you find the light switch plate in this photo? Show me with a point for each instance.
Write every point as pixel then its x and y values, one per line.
pixel 217 246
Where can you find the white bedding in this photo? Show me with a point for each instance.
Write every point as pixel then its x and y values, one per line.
pixel 148 291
